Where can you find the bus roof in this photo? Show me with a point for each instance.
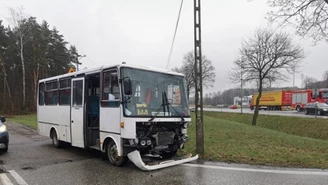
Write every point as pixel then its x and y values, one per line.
pixel 100 68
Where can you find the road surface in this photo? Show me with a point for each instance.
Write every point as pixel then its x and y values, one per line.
pixel 278 113
pixel 32 160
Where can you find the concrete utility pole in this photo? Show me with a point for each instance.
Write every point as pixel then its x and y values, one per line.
pixel 198 79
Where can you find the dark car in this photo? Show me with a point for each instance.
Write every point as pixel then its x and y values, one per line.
pixel 313 108
pixel 4 136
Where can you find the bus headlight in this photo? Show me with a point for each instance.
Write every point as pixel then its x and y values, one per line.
pixel 3 128
pixel 143 142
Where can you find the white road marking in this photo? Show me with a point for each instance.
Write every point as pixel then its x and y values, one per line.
pixel 5 180
pixel 293 172
pixel 18 178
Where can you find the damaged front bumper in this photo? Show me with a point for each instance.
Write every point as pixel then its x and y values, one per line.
pixel 135 157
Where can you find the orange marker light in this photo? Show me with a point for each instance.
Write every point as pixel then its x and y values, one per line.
pixel 122 124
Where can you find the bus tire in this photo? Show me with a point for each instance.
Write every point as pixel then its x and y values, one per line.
pixel 55 141
pixel 112 155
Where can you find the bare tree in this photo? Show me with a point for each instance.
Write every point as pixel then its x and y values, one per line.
pixel 187 69
pixel 325 78
pixel 309 82
pixel 309 17
pixel 18 19
pixel 264 57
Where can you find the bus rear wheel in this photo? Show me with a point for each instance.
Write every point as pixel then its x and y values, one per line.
pixel 112 154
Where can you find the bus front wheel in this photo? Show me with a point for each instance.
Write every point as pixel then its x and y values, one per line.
pixel 55 140
pixel 112 154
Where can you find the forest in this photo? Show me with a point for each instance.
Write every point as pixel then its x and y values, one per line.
pixel 29 51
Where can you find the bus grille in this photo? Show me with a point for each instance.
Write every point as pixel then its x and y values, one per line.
pixel 164 138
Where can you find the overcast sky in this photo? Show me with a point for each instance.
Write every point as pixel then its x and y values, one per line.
pixel 140 31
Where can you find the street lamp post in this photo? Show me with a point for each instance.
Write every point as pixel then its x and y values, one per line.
pixel 78 63
pixel 241 85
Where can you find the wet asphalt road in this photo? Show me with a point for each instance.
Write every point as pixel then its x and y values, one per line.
pixel 35 161
pixel 266 112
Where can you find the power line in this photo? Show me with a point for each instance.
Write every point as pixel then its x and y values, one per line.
pixel 175 32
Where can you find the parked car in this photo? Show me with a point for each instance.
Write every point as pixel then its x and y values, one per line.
pixel 233 107
pixel 319 108
pixel 4 136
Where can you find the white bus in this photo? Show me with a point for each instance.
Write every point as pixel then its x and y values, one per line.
pixel 124 111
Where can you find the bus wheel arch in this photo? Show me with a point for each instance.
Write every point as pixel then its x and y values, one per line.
pixel 54 137
pixel 111 150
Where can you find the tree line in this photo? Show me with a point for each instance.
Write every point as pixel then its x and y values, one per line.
pixel 29 51
pixel 312 83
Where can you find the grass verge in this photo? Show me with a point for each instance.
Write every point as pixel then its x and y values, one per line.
pixel 230 141
pixel 305 127
pixel 27 120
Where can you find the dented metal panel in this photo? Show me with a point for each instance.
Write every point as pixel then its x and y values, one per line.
pixel 135 157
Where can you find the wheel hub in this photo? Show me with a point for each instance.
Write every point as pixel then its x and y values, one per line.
pixel 113 153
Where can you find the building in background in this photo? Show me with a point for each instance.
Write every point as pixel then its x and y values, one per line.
pixel 244 101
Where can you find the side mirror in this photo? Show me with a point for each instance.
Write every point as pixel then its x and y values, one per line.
pixel 3 119
pixel 127 86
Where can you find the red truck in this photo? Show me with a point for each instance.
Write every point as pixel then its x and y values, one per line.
pixel 324 93
pixel 302 97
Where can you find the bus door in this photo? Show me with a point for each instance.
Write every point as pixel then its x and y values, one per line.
pixel 77 111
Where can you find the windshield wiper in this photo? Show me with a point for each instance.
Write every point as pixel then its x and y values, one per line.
pixel 168 104
pixel 162 105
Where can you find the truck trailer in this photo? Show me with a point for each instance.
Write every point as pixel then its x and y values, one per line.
pixel 273 100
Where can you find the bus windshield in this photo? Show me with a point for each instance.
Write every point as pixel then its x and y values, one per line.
pixel 148 90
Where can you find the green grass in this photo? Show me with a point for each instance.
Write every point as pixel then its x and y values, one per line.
pixel 27 120
pixel 305 127
pixel 230 141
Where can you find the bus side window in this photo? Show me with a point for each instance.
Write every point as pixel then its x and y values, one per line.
pixel 110 90
pixel 65 92
pixel 51 93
